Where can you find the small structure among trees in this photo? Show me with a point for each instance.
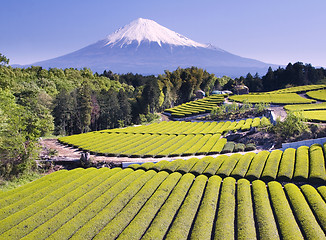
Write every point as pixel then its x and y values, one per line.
pixel 200 94
pixel 241 89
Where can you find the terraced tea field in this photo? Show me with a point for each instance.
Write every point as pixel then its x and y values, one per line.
pixel 271 98
pixel 311 112
pixel 137 204
pixel 161 139
pixel 319 95
pixel 302 164
pixel 200 106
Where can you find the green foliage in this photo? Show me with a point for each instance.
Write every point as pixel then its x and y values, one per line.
pixel 290 127
pixel 303 213
pixel 183 220
pixel 316 203
pixel 224 226
pixel 287 163
pixel 267 228
pixel 301 172
pixel 115 203
pixel 245 216
pixel 257 165
pixel 3 60
pixel 272 166
pixel 288 226
pixel 163 219
pixel 317 163
pixel 203 225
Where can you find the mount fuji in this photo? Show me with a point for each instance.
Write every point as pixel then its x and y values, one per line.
pixel 143 46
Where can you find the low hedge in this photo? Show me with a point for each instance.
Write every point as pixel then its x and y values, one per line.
pixel 245 216
pixel 228 165
pixel 265 221
pixel 272 166
pixel 224 225
pixel 286 169
pixel 301 171
pixel 288 226
pixel 163 219
pixel 303 213
pixel 257 165
pixel 183 221
pixel 316 203
pixel 102 218
pixel 203 225
pixel 228 147
pixel 214 165
pixel 242 166
pixel 317 163
pixel 103 195
pixel 142 220
pixel 113 229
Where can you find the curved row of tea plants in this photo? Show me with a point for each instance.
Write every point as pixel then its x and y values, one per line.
pixel 302 164
pixel 319 95
pixel 200 106
pixel 271 98
pixel 315 116
pixel 305 107
pixel 137 204
pixel 161 139
pixel 298 89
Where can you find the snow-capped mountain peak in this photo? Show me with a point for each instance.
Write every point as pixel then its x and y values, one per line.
pixel 148 30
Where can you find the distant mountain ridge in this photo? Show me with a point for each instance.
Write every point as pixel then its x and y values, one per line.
pixel 143 46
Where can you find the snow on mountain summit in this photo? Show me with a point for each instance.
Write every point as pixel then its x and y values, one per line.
pixel 148 30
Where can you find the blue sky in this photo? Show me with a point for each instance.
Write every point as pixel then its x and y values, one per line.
pixel 278 31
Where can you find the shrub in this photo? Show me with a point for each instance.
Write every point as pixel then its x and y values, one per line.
pixel 316 203
pixel 203 224
pixel 257 165
pixel 228 165
pixel 303 213
pixel 317 163
pixel 214 165
pixel 186 165
pixel 265 221
pixel 224 226
pixel 164 217
pixel 286 169
pixel 239 147
pixel 245 216
pixel 111 209
pixel 142 220
pixel 242 166
pixel 124 217
pixel 301 170
pixel 250 147
pixel 228 147
pixel 288 226
pixel 201 165
pixel 183 221
pixel 271 166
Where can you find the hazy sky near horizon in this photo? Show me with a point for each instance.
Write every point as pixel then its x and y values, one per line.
pixel 278 31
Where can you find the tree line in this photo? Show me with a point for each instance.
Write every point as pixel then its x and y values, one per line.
pixel 297 74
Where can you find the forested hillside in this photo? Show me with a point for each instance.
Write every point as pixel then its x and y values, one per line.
pixel 35 102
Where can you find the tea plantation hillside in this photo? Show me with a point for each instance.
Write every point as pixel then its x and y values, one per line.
pixel 137 204
pixel 161 139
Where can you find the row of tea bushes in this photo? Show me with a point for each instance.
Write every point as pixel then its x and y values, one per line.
pixel 302 164
pixel 318 95
pixel 137 204
pixel 164 139
pixel 200 106
pixel 271 98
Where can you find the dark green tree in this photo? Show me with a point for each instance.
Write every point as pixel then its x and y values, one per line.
pixel 84 105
